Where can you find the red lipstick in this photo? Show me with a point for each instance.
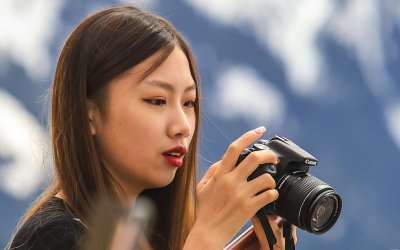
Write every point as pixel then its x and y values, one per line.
pixel 175 155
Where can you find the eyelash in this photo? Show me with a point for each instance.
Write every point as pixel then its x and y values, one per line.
pixel 159 102
pixel 192 104
pixel 155 102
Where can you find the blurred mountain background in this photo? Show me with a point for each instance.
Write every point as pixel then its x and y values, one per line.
pixel 323 73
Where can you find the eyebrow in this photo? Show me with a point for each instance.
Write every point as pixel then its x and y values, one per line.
pixel 167 86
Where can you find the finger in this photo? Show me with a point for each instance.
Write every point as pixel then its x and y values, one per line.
pixel 253 160
pixel 232 154
pixel 278 232
pixel 211 170
pixel 273 217
pixel 258 230
pixel 264 198
pixel 280 225
pixel 294 234
pixel 261 183
pixel 207 176
pixel 261 234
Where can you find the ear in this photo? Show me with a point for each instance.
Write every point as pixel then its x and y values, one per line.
pixel 93 115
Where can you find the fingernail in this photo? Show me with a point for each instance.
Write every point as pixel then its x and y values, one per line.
pixel 260 130
pixel 277 159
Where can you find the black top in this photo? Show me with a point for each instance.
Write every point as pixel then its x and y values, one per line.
pixel 51 227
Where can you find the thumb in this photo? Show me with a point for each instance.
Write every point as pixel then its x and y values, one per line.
pixel 208 175
pixel 258 230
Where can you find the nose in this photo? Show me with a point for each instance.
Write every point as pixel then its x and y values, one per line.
pixel 179 124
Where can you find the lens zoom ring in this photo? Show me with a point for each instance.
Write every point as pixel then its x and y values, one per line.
pixel 293 192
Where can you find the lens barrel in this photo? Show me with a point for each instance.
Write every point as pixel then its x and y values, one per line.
pixel 307 202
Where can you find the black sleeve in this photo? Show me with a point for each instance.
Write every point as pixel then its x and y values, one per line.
pixel 60 233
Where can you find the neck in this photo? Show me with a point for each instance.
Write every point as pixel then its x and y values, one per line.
pixel 128 197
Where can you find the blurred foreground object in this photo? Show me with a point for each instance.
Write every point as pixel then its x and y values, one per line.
pixel 113 226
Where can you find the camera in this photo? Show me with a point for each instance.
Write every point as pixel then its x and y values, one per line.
pixel 304 200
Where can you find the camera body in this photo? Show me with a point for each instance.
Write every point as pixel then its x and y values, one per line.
pixel 304 200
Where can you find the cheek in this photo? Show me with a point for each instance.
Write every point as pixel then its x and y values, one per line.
pixel 138 132
pixel 129 137
pixel 121 132
pixel 146 130
pixel 192 121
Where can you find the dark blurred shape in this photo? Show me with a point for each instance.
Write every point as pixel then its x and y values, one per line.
pixel 115 226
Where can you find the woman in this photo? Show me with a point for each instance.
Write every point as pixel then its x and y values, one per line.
pixel 125 122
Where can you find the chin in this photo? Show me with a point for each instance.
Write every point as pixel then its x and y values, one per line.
pixel 162 182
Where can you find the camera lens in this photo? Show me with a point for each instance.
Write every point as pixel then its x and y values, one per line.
pixel 323 212
pixel 307 202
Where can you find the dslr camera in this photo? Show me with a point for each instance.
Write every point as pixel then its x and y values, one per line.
pixel 304 200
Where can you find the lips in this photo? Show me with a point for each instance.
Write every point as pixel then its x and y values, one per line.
pixel 175 155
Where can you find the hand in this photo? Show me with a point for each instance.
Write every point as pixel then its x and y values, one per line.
pixel 276 228
pixel 225 199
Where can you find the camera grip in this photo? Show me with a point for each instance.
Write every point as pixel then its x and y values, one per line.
pixel 266 168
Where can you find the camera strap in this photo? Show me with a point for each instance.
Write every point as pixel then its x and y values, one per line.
pixel 287 231
pixel 288 235
pixel 262 216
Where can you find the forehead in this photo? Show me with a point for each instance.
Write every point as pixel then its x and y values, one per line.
pixel 189 87
pixel 173 72
pixel 175 69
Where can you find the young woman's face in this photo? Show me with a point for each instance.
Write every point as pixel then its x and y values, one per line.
pixel 149 124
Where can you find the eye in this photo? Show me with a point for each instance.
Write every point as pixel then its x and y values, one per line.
pixel 155 102
pixel 190 104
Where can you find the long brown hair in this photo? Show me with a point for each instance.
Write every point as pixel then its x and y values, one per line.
pixel 102 47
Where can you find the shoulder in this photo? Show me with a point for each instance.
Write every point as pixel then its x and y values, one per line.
pixel 51 227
